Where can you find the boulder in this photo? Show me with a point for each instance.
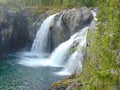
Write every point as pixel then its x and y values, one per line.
pixel 69 22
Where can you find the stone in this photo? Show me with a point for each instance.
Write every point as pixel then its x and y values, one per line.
pixel 69 22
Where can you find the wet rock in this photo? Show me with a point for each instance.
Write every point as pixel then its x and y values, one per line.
pixel 69 22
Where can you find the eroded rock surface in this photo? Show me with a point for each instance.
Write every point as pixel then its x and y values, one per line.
pixel 69 22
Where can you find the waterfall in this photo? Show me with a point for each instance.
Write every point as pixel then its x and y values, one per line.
pixel 56 58
pixel 60 19
pixel 93 24
pixel 74 62
pixel 70 62
pixel 60 53
pixel 72 66
pixel 40 42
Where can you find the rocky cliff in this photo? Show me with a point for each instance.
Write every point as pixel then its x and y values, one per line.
pixel 17 28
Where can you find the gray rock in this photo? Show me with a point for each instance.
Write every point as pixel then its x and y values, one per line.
pixel 18 28
pixel 69 22
pixel 75 19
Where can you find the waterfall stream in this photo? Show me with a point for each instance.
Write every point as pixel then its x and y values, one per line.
pixel 60 57
pixel 74 62
pixel 59 54
pixel 40 42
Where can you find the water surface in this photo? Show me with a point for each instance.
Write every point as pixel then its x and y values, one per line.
pixel 14 76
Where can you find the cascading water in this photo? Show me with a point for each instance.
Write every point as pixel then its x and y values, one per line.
pixel 74 63
pixel 56 59
pixel 60 56
pixel 40 42
pixel 60 20
pixel 94 14
pixel 93 24
pixel 60 53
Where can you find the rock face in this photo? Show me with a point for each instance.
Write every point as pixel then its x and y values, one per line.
pixel 5 28
pixel 17 28
pixel 20 31
pixel 13 29
pixel 69 22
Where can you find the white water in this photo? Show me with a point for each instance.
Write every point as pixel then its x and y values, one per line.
pixel 59 54
pixel 60 20
pixel 94 13
pixel 56 59
pixel 59 57
pixel 74 63
pixel 40 42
